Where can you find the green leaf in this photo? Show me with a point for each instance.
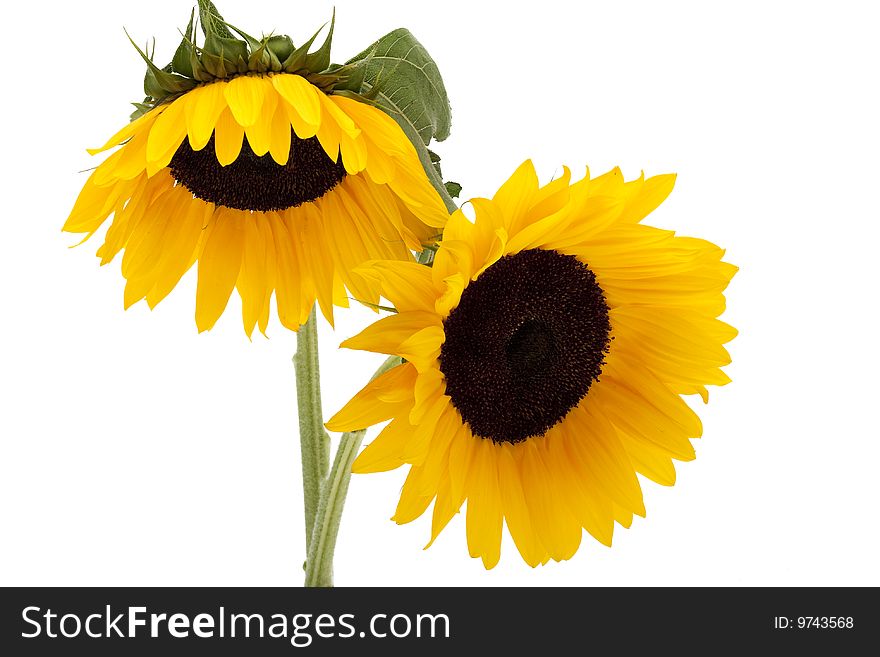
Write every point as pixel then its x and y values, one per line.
pixel 405 81
pixel 453 188
pixel 212 21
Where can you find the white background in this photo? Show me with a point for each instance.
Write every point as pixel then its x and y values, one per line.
pixel 137 452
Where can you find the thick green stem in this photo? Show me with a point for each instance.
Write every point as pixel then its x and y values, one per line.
pixel 314 441
pixel 319 564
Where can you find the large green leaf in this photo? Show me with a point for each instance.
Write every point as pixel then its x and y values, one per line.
pixel 403 79
pixel 212 21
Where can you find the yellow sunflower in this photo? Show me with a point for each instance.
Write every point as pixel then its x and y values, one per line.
pixel 546 355
pixel 261 163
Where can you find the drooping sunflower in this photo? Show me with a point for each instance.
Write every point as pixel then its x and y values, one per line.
pixel 545 353
pixel 266 165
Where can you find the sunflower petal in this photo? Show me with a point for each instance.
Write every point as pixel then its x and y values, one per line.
pixel 368 407
pixel 245 96
pixel 219 265
pixel 204 105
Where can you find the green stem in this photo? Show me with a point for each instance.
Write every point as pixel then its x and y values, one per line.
pixel 319 564
pixel 314 441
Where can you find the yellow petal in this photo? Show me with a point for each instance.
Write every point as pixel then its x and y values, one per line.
pixel 484 519
pixel 348 250
pixel 92 207
pixel 204 105
pixel 650 196
pixel 586 502
pixel 332 111
pixel 461 453
pixel 259 133
pixel 446 505
pixel 412 504
pixel 516 511
pixel 245 96
pixel 455 285
pixel 386 335
pixel 382 129
pixel 417 448
pixel 180 248
pixel 423 348
pixel 144 250
pixel 280 137
pixel 407 285
pixel 253 280
pixel 288 286
pixel 228 138
pixel 516 195
pixel 302 97
pixel 354 153
pixel 429 386
pixel 434 466
pixel 166 135
pixel 367 407
pixel 141 124
pixel 328 135
pixel 124 222
pixel 133 157
pixel 599 452
pixel 386 451
pixel 319 257
pixel 219 266
pixel 551 519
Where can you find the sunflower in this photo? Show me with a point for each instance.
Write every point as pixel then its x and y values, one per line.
pixel 263 163
pixel 545 354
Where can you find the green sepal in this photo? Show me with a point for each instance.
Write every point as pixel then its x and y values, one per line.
pixel 158 82
pixel 262 59
pixel 327 82
pixel 200 73
pixel 215 65
pixel 452 188
pixel 316 62
pixel 222 64
pixel 350 77
pixel 141 109
pixel 229 49
pixel 435 160
pixel 296 60
pixel 281 46
pixel 320 59
pixel 183 57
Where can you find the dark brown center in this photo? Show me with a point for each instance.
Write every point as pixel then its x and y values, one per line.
pixel 524 345
pixel 258 183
